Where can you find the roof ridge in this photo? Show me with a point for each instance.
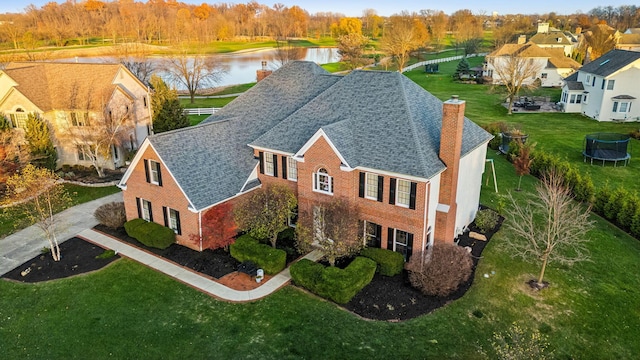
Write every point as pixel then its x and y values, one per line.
pixel 414 130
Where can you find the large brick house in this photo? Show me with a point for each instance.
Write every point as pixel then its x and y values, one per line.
pixel 70 97
pixel 412 164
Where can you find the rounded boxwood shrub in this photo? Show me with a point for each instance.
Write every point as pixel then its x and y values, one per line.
pixel 450 266
pixel 111 214
pixel 271 260
pixel 339 285
pixel 390 263
pixel 150 234
pixel 486 220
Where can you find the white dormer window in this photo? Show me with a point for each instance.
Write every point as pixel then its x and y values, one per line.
pixel 322 182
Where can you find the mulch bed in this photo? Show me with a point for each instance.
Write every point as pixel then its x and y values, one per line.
pixel 215 263
pixel 77 257
pixel 385 298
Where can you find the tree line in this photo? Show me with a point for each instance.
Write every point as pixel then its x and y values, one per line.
pixel 171 22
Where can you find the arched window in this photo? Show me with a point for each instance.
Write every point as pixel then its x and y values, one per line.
pixel 322 182
pixel 19 118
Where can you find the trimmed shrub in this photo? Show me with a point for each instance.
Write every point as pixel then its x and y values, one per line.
pixel 111 214
pixel 390 263
pixel 495 129
pixel 247 248
pixel 338 285
pixel 614 203
pixel 450 266
pixel 150 234
pixel 630 207
pixel 486 220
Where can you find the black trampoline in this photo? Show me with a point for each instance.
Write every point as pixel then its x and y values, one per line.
pixel 607 147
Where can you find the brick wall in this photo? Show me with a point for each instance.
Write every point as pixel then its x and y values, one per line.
pixel 169 195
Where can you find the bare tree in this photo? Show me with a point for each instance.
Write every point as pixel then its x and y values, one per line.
pixel 515 73
pixel 13 150
pixel 135 57
pixel 96 123
pixel 350 48
pixel 286 51
pixel 333 228
pixel 600 39
pixel 39 197
pixel 399 39
pixel 193 72
pixel 264 212
pixel 549 228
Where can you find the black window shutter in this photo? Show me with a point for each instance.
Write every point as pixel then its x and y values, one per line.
pixel 146 170
pixel 159 173
pixel 178 222
pixel 392 191
pixel 362 180
pixel 150 212
pixel 166 218
pixel 275 165
pixel 380 187
pixel 412 196
pixel 284 167
pixel 378 236
pixel 331 190
pixel 139 208
pixel 409 246
pixel 261 156
pixel 390 238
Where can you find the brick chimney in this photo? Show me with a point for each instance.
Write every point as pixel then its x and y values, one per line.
pixel 450 148
pixel 263 73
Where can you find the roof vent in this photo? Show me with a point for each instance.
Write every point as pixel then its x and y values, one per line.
pixel 604 62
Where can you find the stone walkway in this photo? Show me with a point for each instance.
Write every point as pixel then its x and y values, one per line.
pixel 25 244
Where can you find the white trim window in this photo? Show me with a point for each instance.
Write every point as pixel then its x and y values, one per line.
pixel 172 220
pixel 372 234
pixel 268 164
pixel 85 152
pixel 611 84
pixel 292 169
pixel 621 107
pixel 403 193
pixel 154 172
pixel 588 81
pixel 371 186
pixel 323 182
pixel 19 118
pixel 145 209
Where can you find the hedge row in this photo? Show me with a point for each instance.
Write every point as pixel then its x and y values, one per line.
pixel 619 206
pixel 246 248
pixel 339 285
pixel 150 234
pixel 581 185
pixel 390 263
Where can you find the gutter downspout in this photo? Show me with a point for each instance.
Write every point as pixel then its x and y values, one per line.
pixel 200 228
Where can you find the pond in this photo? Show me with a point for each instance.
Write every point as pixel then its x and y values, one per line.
pixel 241 66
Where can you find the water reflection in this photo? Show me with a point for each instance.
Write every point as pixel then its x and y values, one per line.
pixel 241 66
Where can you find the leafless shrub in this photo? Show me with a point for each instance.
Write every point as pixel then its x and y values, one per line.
pixel 111 214
pixel 440 274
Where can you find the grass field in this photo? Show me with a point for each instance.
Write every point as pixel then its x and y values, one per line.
pixel 590 311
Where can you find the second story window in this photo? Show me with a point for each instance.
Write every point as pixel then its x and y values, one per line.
pixel 402 193
pixel 322 182
pixel 292 169
pixel 610 84
pixel 153 172
pixel 268 164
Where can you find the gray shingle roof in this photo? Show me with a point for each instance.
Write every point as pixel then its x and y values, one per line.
pixel 379 120
pixel 574 85
pixel 610 62
pixel 212 161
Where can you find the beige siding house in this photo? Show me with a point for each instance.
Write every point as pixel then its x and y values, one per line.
pixel 74 98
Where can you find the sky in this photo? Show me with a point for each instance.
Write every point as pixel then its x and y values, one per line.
pixel 389 7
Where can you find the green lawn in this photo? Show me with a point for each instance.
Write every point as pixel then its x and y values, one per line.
pixel 590 311
pixel 12 220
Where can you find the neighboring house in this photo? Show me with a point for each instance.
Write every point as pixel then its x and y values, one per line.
pixel 628 41
pixel 605 89
pixel 71 96
pixel 412 164
pixel 550 37
pixel 553 65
